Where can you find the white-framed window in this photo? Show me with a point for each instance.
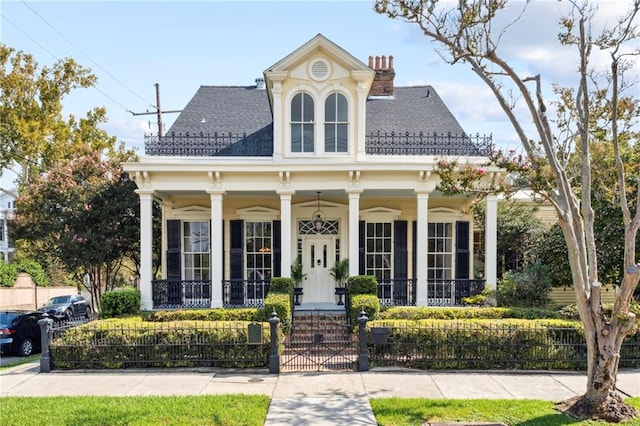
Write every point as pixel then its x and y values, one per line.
pixel 302 123
pixel 378 250
pixel 336 123
pixel 258 251
pixel 440 251
pixel 195 249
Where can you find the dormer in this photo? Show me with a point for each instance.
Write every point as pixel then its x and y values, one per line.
pixel 317 96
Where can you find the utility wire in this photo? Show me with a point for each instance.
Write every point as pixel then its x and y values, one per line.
pixel 87 56
pixel 58 59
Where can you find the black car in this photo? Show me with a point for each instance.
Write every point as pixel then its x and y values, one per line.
pixel 20 332
pixel 67 307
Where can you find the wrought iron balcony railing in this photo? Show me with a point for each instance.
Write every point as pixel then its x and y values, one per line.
pixel 260 144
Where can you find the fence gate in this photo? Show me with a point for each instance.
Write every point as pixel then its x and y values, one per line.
pixel 320 340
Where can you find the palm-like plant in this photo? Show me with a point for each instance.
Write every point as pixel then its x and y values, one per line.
pixel 340 272
pixel 296 272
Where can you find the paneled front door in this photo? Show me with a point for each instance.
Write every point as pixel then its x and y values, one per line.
pixel 318 259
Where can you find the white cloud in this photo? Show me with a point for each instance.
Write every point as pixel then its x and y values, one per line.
pixel 130 131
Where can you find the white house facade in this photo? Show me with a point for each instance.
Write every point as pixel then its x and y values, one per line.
pixel 323 159
pixel 7 210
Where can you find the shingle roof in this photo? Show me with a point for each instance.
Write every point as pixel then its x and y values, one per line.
pixel 235 109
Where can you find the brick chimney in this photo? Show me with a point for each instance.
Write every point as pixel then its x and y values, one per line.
pixel 383 81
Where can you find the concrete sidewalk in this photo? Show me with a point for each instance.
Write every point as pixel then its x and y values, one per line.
pixel 308 398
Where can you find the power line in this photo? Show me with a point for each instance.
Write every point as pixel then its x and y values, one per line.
pixel 87 56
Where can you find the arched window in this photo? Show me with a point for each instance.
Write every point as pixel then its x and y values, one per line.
pixel 336 123
pixel 302 123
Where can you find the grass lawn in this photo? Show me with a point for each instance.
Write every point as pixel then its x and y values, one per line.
pixel 401 411
pixel 21 361
pixel 245 410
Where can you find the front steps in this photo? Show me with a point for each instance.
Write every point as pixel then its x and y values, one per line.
pixel 319 340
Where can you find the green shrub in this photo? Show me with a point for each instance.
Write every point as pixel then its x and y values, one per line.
pixel 481 344
pixel 125 301
pixel 422 313
pixel 281 303
pixel 362 284
pixel 368 302
pixel 281 285
pixel 529 288
pixel 8 274
pixel 131 343
pixel 216 314
pixel 34 269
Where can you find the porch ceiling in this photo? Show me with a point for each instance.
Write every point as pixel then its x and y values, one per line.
pixel 324 193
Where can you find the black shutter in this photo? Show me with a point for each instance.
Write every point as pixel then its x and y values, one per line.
pixel 277 248
pixel 362 240
pixel 414 259
pixel 462 250
pixel 237 250
pixel 400 260
pixel 174 270
pixel 236 262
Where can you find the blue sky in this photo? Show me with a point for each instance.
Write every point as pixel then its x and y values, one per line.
pixel 130 45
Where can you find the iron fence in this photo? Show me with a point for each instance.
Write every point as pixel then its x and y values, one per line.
pixel 156 345
pixel 439 293
pixel 217 144
pixel 485 346
pixel 171 294
pixel 406 143
pixel 244 293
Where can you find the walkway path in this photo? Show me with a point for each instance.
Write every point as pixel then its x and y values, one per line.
pixel 310 398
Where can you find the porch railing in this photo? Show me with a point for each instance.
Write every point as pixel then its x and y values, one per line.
pixel 169 294
pixel 244 294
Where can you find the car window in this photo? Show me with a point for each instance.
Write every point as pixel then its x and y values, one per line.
pixel 7 318
pixel 58 300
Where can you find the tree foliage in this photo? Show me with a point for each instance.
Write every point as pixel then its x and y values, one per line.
pixel 84 212
pixel 558 161
pixel 34 133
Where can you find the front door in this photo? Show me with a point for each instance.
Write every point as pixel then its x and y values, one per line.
pixel 318 259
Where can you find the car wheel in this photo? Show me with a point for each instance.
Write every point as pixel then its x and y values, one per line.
pixel 26 347
pixel 87 313
pixel 68 314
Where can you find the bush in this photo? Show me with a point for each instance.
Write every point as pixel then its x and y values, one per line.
pixel 281 285
pixel 8 274
pixel 368 302
pixel 529 288
pixel 216 314
pixel 281 303
pixel 362 284
pixel 120 302
pixel 131 343
pixel 423 313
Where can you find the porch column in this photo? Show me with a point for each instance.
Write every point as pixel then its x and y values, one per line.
pixel 491 242
pixel 354 230
pixel 422 221
pixel 217 248
pixel 146 248
pixel 285 232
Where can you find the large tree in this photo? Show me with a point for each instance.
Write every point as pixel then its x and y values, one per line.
pixel 83 212
pixel 34 132
pixel 468 32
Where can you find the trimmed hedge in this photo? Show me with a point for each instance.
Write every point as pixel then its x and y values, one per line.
pixel 415 313
pixel 125 301
pixel 281 303
pixel 368 302
pixel 362 284
pixel 9 273
pixel 281 285
pixel 481 344
pixel 131 343
pixel 216 314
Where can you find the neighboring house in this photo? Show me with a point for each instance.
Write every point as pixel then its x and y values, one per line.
pixel 7 208
pixel 324 159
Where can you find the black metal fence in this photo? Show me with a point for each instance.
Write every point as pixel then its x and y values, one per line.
pixel 243 293
pixel 155 345
pixel 406 143
pixel 464 345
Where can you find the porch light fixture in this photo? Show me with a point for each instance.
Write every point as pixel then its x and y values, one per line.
pixel 318 219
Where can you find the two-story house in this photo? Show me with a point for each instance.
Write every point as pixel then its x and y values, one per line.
pixel 325 159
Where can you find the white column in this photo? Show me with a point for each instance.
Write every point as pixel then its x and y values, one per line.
pixel 491 242
pixel 276 92
pixel 420 245
pixel 354 230
pixel 362 118
pixel 217 248
pixel 285 232
pixel 146 248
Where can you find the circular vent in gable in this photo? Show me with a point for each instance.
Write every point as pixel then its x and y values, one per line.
pixel 319 69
